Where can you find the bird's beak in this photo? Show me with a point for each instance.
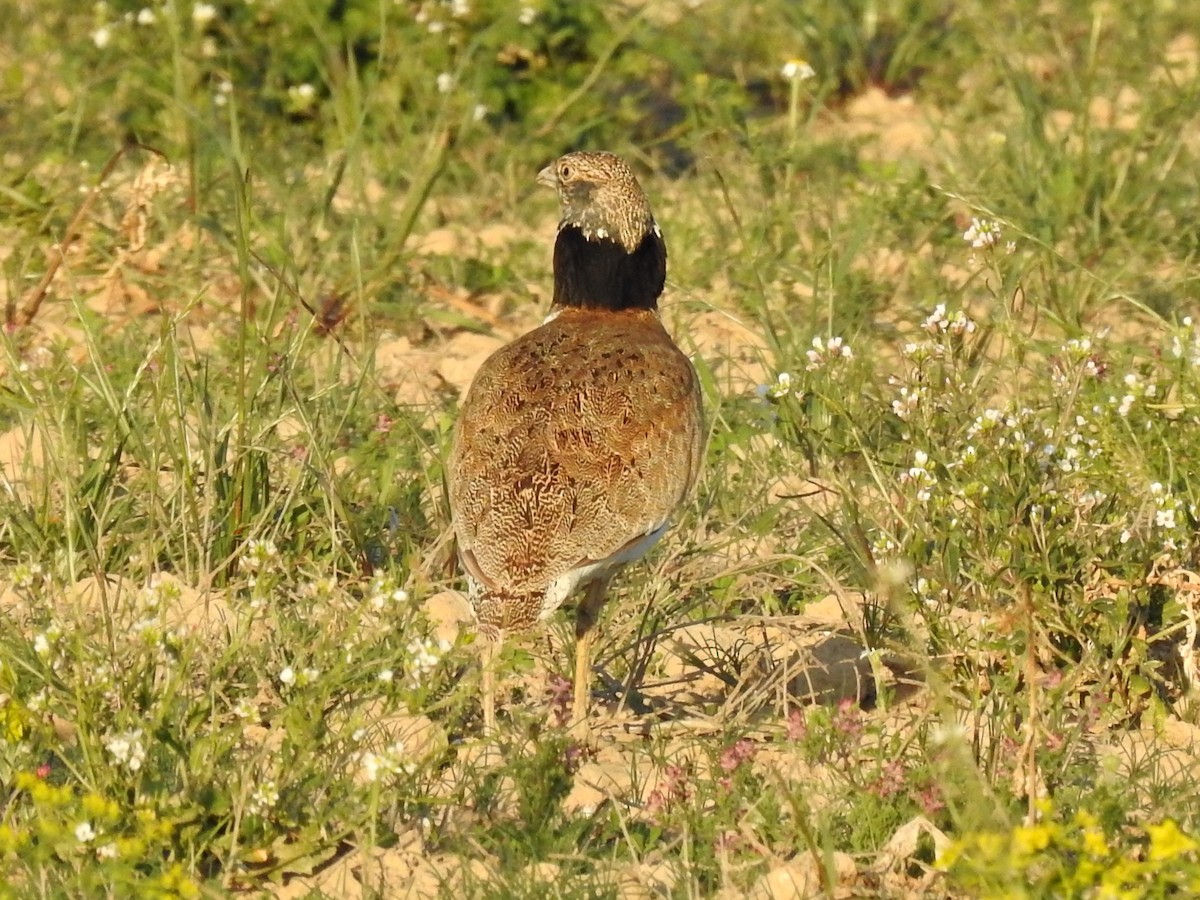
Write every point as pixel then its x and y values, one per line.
pixel 548 177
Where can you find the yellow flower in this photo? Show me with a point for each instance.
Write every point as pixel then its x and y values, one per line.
pixel 1167 841
pixel 10 840
pixel 1031 839
pixel 1085 819
pixel 98 807
pixel 1094 843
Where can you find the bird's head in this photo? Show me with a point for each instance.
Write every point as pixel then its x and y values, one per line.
pixel 601 197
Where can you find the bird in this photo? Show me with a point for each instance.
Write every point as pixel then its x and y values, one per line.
pixel 578 442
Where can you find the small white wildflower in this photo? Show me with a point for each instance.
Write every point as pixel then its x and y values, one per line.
pixel 245 708
pixel 960 323
pixel 101 36
pixel 308 675
pixel 41 645
pixel 320 589
pixel 392 761
pixel 259 554
pixel 797 70
pixel 936 321
pixel 263 798
pixel 84 832
pixel 425 654
pixel 1165 518
pixel 107 851
pixel 203 13
pixel 146 16
pixel 126 749
pixel 386 676
pixel 527 15
pixel 782 386
pixel 287 675
pixel 445 82
pixel 982 233
pixel 25 575
pixel 479 113
pixel 908 402
pixel 1078 348
pixel 460 8
pixel 371 765
pixel 823 352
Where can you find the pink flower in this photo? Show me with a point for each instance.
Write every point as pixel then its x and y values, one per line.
pixel 737 753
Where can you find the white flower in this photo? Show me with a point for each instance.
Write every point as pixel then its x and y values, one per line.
pixel 24 575
pixel 126 749
pixel 107 851
pixel 84 832
pixel 101 36
pixel 146 16
pixel 259 553
pixel 203 13
pixel 823 352
pixel 460 8
pixel 263 798
pixel 41 646
pixel 982 233
pixel 386 676
pixel 782 386
pixel 445 82
pixel 245 708
pixel 908 401
pixel 527 15
pixel 797 70
pixel 390 762
pixel 479 113
pixel 287 675
pixel 425 654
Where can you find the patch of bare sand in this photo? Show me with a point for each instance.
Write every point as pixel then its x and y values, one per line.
pixel 22 457
pixel 892 128
pixel 804 876
pixel 404 872
pixel 774 662
pixel 422 375
pixel 737 354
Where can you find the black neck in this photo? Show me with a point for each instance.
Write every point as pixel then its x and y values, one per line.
pixel 602 274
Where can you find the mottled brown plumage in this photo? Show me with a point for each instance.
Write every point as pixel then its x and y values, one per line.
pixel 577 442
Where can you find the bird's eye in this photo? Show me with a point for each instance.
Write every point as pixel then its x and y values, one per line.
pixel 564 172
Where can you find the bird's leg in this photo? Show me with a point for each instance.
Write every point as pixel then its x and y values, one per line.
pixel 490 654
pixel 585 620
